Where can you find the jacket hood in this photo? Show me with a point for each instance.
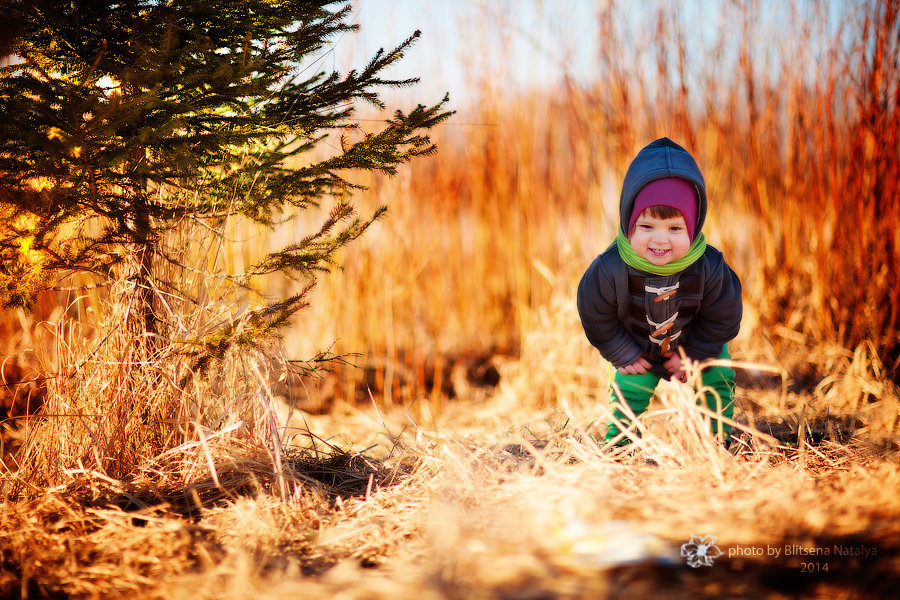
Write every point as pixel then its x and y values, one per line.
pixel 659 159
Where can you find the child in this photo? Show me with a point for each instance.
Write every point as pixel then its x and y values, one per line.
pixel 660 289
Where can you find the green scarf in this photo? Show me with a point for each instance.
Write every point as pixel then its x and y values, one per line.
pixel 631 258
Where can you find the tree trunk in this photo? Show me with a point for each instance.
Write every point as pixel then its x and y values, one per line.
pixel 141 321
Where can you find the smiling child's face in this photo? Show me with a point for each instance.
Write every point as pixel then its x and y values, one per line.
pixel 660 240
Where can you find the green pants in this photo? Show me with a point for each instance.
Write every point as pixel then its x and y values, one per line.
pixel 637 390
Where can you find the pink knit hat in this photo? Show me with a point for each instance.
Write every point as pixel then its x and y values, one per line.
pixel 669 191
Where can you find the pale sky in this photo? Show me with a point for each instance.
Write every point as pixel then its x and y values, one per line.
pixel 526 43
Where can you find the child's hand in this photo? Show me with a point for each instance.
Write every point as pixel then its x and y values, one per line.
pixel 675 366
pixel 638 367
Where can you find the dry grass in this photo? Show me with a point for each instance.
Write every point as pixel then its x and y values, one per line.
pixel 411 480
pixel 493 498
pixel 498 495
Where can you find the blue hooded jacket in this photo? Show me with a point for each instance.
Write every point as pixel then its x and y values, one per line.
pixel 627 313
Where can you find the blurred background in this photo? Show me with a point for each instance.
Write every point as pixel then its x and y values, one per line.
pixel 790 107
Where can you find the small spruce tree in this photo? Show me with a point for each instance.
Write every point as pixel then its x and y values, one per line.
pixel 122 121
pixel 135 115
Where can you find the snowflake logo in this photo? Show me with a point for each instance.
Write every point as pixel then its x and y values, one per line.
pixel 701 551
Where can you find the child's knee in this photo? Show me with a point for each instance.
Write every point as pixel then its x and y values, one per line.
pixel 721 380
pixel 635 389
pixel 718 390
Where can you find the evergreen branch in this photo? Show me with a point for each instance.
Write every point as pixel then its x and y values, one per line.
pixel 244 332
pixel 316 252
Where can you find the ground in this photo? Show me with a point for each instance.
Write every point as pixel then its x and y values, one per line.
pixel 499 496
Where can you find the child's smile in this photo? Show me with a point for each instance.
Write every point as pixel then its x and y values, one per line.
pixel 660 241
